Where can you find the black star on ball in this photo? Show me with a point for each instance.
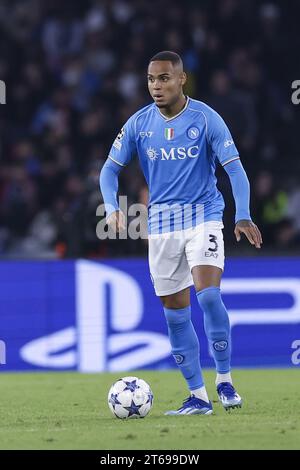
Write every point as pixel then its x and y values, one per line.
pixel 132 386
pixel 133 409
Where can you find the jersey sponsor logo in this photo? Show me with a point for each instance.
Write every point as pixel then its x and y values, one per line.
pixel 227 143
pixel 178 358
pixel 169 133
pixel 144 134
pixel 220 345
pixel 175 153
pixel 152 154
pixel 180 153
pixel 193 132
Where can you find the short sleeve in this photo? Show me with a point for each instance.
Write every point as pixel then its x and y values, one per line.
pixel 220 139
pixel 124 145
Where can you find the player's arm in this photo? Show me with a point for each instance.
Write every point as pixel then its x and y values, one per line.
pixel 119 156
pixel 109 184
pixel 241 193
pixel 224 149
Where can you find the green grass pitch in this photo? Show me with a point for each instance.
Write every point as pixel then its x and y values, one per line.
pixel 70 411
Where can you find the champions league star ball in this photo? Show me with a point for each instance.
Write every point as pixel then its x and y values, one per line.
pixel 130 397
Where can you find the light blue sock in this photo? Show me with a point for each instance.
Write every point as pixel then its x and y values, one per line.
pixel 217 327
pixel 185 345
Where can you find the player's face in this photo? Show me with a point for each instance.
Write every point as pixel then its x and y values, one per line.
pixel 165 82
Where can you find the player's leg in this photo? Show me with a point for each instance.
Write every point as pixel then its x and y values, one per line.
pixel 207 267
pixel 172 279
pixel 185 350
pixel 217 328
pixel 216 321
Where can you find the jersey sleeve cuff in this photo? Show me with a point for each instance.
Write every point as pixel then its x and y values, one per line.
pixel 245 216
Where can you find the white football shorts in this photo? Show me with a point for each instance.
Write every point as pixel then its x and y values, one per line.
pixel 172 255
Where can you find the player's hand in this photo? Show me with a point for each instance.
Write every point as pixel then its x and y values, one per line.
pixel 250 230
pixel 116 220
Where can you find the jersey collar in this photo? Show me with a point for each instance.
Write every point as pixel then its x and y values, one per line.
pixel 174 117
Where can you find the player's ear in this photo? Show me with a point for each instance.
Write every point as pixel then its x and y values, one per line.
pixel 183 78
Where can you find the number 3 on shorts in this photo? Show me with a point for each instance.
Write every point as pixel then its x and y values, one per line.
pixel 213 239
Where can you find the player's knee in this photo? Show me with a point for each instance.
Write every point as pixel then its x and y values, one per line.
pixel 173 304
pixel 209 298
pixel 179 300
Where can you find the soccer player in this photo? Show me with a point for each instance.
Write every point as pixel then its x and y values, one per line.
pixel 178 141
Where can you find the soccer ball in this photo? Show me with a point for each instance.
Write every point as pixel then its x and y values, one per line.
pixel 130 397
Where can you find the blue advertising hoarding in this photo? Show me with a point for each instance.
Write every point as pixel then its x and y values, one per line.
pixel 104 316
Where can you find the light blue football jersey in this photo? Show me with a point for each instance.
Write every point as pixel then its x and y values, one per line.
pixel 178 158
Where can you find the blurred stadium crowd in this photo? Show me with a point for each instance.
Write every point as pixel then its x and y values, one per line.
pixel 76 70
